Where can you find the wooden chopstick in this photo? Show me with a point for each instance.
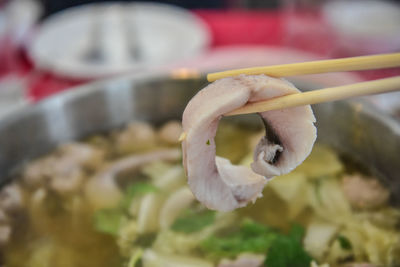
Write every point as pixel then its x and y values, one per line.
pixel 321 95
pixel 314 67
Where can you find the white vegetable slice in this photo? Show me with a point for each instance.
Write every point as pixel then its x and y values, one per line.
pixel 171 179
pixel 318 237
pixel 175 204
pixel 147 220
pixel 152 258
pixel 291 188
pixel 244 260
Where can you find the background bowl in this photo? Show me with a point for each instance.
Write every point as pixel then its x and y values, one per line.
pixel 105 39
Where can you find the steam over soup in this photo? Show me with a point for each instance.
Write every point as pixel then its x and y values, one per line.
pixel 122 199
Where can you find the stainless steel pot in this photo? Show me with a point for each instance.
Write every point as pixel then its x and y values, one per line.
pixel 352 127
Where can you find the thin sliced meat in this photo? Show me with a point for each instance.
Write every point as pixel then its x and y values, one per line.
pixel 290 135
pixel 363 192
pixel 102 190
pixel 64 170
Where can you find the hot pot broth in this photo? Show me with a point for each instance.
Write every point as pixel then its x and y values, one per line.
pixel 325 210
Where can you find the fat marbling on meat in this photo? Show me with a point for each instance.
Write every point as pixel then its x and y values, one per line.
pixel 290 135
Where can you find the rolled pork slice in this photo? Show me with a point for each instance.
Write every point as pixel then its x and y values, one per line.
pixel 290 135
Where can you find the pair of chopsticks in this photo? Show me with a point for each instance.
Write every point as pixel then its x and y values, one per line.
pixel 321 95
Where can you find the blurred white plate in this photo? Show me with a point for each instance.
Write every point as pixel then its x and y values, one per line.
pixel 109 38
pixel 365 26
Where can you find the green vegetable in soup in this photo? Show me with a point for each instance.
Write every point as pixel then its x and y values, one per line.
pixel 192 221
pixel 297 232
pixel 250 237
pixel 288 251
pixel 108 221
pixel 344 242
pixel 281 250
pixel 135 259
pixel 137 189
pixel 173 242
